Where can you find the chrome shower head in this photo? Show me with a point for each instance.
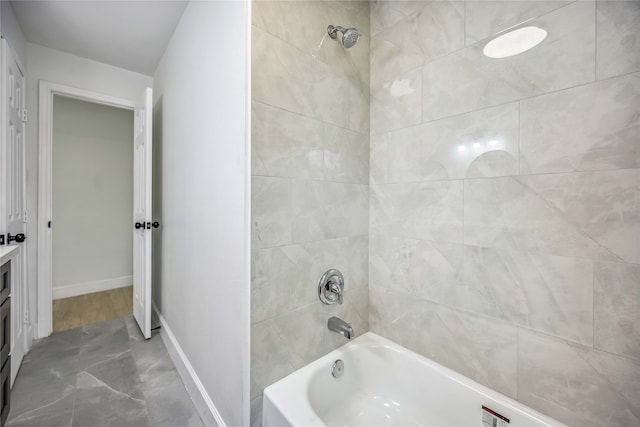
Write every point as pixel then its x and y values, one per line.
pixel 350 36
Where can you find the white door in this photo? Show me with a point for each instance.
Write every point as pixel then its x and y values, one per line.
pixel 142 213
pixel 14 196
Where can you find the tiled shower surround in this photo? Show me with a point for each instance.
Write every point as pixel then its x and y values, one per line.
pixel 505 199
pixel 310 182
pixel 502 195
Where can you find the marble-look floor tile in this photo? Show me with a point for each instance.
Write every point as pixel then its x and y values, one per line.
pixel 102 342
pixel 485 18
pixel 583 214
pixel 425 210
pixel 56 413
pixel 168 403
pixel 577 385
pixel 98 404
pixel 618 38
pixel 119 374
pixel 617 308
pixel 480 144
pixel 467 80
pixel 591 127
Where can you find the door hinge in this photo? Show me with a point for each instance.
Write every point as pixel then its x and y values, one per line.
pixel 1 239
pixel 25 116
pixel 26 317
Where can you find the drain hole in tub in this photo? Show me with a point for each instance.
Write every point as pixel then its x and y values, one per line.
pixel 337 369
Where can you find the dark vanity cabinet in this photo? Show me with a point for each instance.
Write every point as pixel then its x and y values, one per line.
pixel 5 340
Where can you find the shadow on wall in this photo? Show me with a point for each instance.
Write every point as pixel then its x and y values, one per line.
pixel 156 255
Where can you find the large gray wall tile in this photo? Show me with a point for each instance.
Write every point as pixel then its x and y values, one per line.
pixel 591 127
pixel 586 214
pixel 425 210
pixel 480 348
pixel 618 37
pixel 482 143
pixel 467 80
pixel 577 385
pixel 617 308
pixel 487 18
pixel 285 144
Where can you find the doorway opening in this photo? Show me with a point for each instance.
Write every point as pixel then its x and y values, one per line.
pixel 92 232
pixel 92 212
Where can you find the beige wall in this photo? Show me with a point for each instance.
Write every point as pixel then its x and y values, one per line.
pixel 310 171
pixel 92 193
pixel 505 199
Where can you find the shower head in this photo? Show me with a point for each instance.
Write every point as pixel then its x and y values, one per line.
pixel 350 36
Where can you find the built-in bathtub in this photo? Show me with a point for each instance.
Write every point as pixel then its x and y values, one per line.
pixel 384 384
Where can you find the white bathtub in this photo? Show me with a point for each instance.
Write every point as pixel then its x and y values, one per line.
pixel 385 384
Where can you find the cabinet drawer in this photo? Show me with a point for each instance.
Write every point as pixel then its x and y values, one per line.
pixel 5 330
pixel 5 392
pixel 5 281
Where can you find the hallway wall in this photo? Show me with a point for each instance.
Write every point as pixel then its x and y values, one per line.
pixel 201 274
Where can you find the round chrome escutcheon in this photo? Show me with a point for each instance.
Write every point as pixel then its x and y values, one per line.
pixel 337 369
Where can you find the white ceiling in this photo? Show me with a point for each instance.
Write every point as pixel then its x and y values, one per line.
pixel 126 34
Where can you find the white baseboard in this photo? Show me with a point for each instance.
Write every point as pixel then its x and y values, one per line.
pixel 76 289
pixel 201 399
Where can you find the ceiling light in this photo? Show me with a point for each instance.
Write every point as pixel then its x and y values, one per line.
pixel 514 42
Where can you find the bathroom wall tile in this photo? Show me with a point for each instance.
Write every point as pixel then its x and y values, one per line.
pixel 617 308
pixel 396 103
pixel 325 210
pixel 293 80
pixel 467 80
pixel 284 144
pixel 354 310
pixel 618 38
pixel 270 212
pixel 270 360
pixel 385 13
pixel 429 270
pixel 577 385
pixel 482 143
pixel 256 412
pixel 349 255
pixel 302 333
pixel 544 292
pixel 359 106
pixel 346 155
pixel 584 214
pixel 436 29
pixel 428 210
pixel 478 347
pixel 590 127
pixel 283 279
pixel 378 159
pixel 486 18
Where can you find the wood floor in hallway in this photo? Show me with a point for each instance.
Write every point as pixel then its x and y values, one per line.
pixel 83 310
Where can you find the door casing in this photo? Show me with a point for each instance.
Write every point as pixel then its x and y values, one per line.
pixel 46 91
